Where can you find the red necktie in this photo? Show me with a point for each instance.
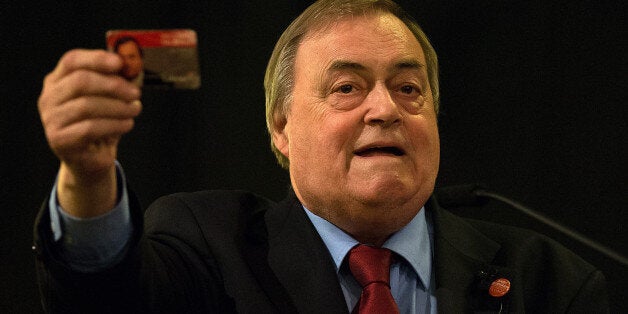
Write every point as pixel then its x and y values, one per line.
pixel 371 268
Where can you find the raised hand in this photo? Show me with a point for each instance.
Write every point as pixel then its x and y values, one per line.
pixel 85 107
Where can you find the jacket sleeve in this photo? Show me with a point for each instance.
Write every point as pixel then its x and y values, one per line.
pixel 168 268
pixel 64 290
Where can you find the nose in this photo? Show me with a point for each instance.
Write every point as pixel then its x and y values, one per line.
pixel 381 107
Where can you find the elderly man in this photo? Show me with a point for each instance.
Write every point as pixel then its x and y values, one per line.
pixel 352 101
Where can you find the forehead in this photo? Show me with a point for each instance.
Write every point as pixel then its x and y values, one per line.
pixel 373 36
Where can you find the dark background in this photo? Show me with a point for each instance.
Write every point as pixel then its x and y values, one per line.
pixel 533 106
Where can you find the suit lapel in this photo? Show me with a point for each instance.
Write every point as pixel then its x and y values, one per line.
pixel 301 265
pixel 462 254
pixel 300 273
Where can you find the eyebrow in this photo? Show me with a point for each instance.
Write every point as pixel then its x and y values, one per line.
pixel 346 65
pixel 335 67
pixel 408 64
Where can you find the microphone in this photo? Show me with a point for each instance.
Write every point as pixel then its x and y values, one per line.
pixel 460 195
pixel 475 195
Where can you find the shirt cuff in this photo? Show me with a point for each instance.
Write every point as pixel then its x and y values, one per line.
pixel 94 243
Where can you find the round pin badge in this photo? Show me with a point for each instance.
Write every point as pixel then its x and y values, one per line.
pixel 499 287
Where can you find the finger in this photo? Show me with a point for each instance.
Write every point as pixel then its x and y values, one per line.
pixel 56 118
pixel 93 107
pixel 87 83
pixel 92 60
pixel 78 136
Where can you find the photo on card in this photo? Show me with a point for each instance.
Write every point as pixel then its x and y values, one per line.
pixel 158 58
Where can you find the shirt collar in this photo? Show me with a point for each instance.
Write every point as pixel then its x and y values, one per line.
pixel 412 243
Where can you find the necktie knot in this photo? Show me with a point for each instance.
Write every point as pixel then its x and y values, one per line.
pixel 370 267
pixel 370 264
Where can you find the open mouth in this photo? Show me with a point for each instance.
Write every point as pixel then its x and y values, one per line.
pixel 380 151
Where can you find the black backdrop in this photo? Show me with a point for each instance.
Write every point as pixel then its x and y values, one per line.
pixel 532 94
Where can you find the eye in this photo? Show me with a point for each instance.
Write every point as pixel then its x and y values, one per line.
pixel 346 89
pixel 408 89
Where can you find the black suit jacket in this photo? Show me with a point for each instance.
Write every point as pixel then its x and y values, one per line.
pixel 232 251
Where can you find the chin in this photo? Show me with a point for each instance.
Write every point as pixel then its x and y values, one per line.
pixel 400 200
pixel 383 191
pixel 376 226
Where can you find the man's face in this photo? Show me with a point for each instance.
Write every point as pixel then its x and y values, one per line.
pixel 361 132
pixel 133 63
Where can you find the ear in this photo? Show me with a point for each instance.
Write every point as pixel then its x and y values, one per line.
pixel 280 136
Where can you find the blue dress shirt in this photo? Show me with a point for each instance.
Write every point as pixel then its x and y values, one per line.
pixel 411 277
pixel 92 244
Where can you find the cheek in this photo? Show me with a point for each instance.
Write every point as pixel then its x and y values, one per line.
pixel 322 124
pixel 340 132
pixel 425 139
pixel 324 144
pixel 317 139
